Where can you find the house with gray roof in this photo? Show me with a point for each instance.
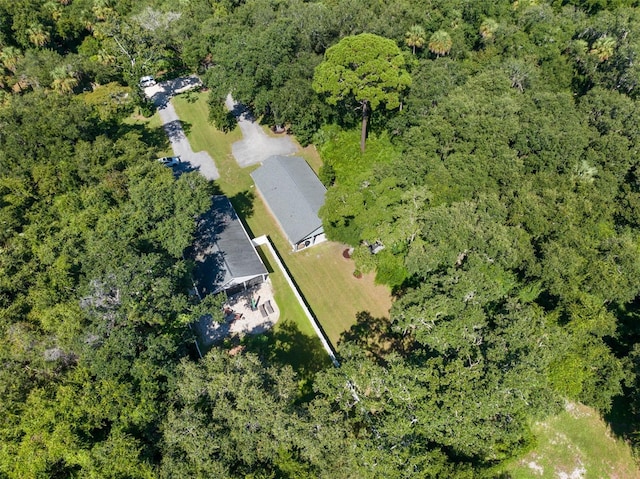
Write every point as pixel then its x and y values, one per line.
pixel 226 259
pixel 294 194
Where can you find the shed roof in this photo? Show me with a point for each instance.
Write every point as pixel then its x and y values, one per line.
pixel 222 249
pixel 294 194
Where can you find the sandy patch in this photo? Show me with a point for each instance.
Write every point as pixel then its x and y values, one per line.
pixel 535 467
pixel 577 473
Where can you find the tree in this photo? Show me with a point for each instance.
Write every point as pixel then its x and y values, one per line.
pixel 366 68
pixel 10 56
pixel 65 79
pixel 84 374
pixel 230 416
pixel 488 29
pixel 440 43
pixel 414 38
pixel 38 35
pixel 135 49
pixel 603 48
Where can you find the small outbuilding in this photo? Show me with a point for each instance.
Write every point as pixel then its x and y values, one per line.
pixel 226 259
pixel 294 195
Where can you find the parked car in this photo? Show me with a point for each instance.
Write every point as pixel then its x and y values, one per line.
pixel 169 160
pixel 147 81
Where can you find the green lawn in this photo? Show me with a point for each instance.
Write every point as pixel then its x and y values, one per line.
pixel 290 309
pixel 324 277
pixel 576 444
pixel 313 157
pixel 193 111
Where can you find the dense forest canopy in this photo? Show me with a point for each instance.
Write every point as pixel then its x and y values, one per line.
pixel 500 184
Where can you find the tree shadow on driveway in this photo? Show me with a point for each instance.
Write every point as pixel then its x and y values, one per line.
pixel 177 130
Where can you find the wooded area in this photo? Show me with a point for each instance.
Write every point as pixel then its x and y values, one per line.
pixel 500 180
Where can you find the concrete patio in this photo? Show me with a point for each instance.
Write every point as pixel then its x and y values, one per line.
pixel 252 311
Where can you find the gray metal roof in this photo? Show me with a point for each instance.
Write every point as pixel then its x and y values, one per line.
pixel 294 194
pixel 222 249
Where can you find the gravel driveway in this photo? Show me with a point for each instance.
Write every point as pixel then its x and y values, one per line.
pixel 255 146
pixel 160 94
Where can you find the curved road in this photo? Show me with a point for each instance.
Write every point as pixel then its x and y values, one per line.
pixel 160 94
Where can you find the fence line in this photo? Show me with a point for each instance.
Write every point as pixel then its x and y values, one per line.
pixel 265 241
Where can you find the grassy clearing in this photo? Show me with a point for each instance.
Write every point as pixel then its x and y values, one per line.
pixel 194 112
pixel 576 444
pixel 334 295
pixel 324 277
pixel 137 119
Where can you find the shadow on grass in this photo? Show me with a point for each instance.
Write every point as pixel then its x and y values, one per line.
pixel 288 345
pixel 376 337
pixel 177 130
pixel 265 260
pixel 623 421
pixel 155 137
pixel 243 204
pixel 191 96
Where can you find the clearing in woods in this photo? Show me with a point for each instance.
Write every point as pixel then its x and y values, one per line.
pixel 576 444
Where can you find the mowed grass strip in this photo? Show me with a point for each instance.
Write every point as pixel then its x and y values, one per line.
pixel 290 309
pixel 323 276
pixel 576 443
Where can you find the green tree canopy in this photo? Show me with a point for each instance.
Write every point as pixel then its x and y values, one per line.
pixel 366 68
pixel 414 37
pixel 440 43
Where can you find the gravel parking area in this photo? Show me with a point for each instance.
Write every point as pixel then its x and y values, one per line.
pixel 255 146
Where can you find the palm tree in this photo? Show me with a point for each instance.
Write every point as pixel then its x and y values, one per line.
pixel 102 13
pixel 54 8
pixel 579 49
pixel 10 56
pixel 603 48
pixel 38 35
pixel 440 43
pixel 583 172
pixel 65 79
pixel 414 38
pixel 104 57
pixel 488 29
